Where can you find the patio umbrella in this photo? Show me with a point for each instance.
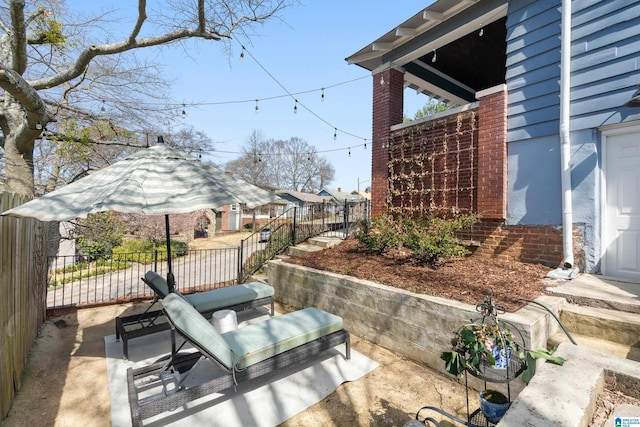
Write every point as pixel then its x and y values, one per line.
pixel 159 180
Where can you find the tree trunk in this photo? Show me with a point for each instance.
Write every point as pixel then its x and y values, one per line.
pixel 19 166
pixel 19 142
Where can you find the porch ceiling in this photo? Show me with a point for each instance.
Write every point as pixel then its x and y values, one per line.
pixel 448 51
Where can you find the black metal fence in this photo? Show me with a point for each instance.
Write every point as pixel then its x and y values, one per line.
pixel 81 280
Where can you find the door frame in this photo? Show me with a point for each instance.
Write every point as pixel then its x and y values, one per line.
pixel 606 132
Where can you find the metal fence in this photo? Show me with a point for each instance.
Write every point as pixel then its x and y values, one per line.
pixel 95 279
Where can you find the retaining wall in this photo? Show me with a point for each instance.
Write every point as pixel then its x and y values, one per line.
pixel 416 326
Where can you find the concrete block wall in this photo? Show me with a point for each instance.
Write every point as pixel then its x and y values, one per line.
pixel 419 327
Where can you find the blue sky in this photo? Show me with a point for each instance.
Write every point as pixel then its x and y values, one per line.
pixel 304 50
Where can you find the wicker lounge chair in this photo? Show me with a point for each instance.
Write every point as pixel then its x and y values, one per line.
pixel 244 354
pixel 236 297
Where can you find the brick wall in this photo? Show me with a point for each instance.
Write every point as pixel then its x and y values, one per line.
pixel 423 168
pixel 433 166
pixel 492 154
pixel 388 99
pixel 524 243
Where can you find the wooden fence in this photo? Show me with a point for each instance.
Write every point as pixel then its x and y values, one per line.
pixel 22 294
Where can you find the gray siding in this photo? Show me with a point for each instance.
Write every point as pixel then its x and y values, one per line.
pixel 533 72
pixel 605 67
pixel 605 71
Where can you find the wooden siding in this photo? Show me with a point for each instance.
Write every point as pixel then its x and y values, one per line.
pixel 604 69
pixel 533 72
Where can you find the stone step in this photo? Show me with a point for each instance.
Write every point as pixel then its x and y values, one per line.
pixel 605 324
pixel 600 291
pixel 300 250
pixel 624 351
pixel 325 242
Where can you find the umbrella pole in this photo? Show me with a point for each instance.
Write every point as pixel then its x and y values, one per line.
pixel 171 280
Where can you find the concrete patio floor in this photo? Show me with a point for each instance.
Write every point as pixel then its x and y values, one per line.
pixel 65 381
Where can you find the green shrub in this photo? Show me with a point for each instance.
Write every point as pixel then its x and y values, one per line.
pixel 384 233
pixel 429 238
pixel 143 252
pixel 85 270
pixel 432 239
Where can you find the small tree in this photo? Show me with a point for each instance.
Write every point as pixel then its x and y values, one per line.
pixel 99 233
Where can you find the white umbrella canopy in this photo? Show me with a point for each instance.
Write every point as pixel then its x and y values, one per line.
pixel 154 181
pixel 159 180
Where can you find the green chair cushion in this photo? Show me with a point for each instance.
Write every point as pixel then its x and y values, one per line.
pixel 260 341
pixel 231 295
pixel 251 344
pixel 157 283
pixel 197 328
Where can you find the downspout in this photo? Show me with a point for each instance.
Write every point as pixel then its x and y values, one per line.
pixel 565 137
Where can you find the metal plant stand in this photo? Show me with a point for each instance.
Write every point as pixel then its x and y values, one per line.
pixel 488 373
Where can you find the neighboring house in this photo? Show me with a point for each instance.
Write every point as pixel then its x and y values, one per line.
pixel 527 107
pixel 361 195
pixel 237 216
pixel 308 202
pixel 338 195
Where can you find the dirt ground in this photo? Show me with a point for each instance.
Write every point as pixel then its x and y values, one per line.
pixel 65 381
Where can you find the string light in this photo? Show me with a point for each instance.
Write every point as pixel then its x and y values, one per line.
pixel 349 151
pixel 257 106
pixel 184 113
pixel 365 144
pixel 322 96
pixel 481 32
pixel 434 56
pixel 335 133
pixel 102 109
pixel 242 54
pixel 295 107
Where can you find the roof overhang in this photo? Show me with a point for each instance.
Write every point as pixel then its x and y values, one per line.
pixel 449 51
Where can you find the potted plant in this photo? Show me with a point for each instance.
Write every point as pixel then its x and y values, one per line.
pixel 493 405
pixel 477 346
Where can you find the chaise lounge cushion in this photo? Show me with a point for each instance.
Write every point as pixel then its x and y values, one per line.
pixel 251 344
pixel 260 341
pixel 231 295
pixel 212 300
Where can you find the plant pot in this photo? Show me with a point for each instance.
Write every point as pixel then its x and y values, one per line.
pixel 502 358
pixel 493 405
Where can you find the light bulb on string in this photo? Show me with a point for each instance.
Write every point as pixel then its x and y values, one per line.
pixel 365 144
pixel 257 108
pixel 434 56
pixel 335 133
pixel 102 109
pixel 242 54
pixel 322 96
pixel 349 151
pixel 295 107
pixel 481 32
pixel 184 113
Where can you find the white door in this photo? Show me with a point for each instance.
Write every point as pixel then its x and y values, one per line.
pixel 622 203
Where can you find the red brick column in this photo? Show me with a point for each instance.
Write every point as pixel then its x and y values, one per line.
pixel 388 99
pixel 492 153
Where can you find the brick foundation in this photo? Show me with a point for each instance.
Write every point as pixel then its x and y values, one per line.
pixel 539 244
